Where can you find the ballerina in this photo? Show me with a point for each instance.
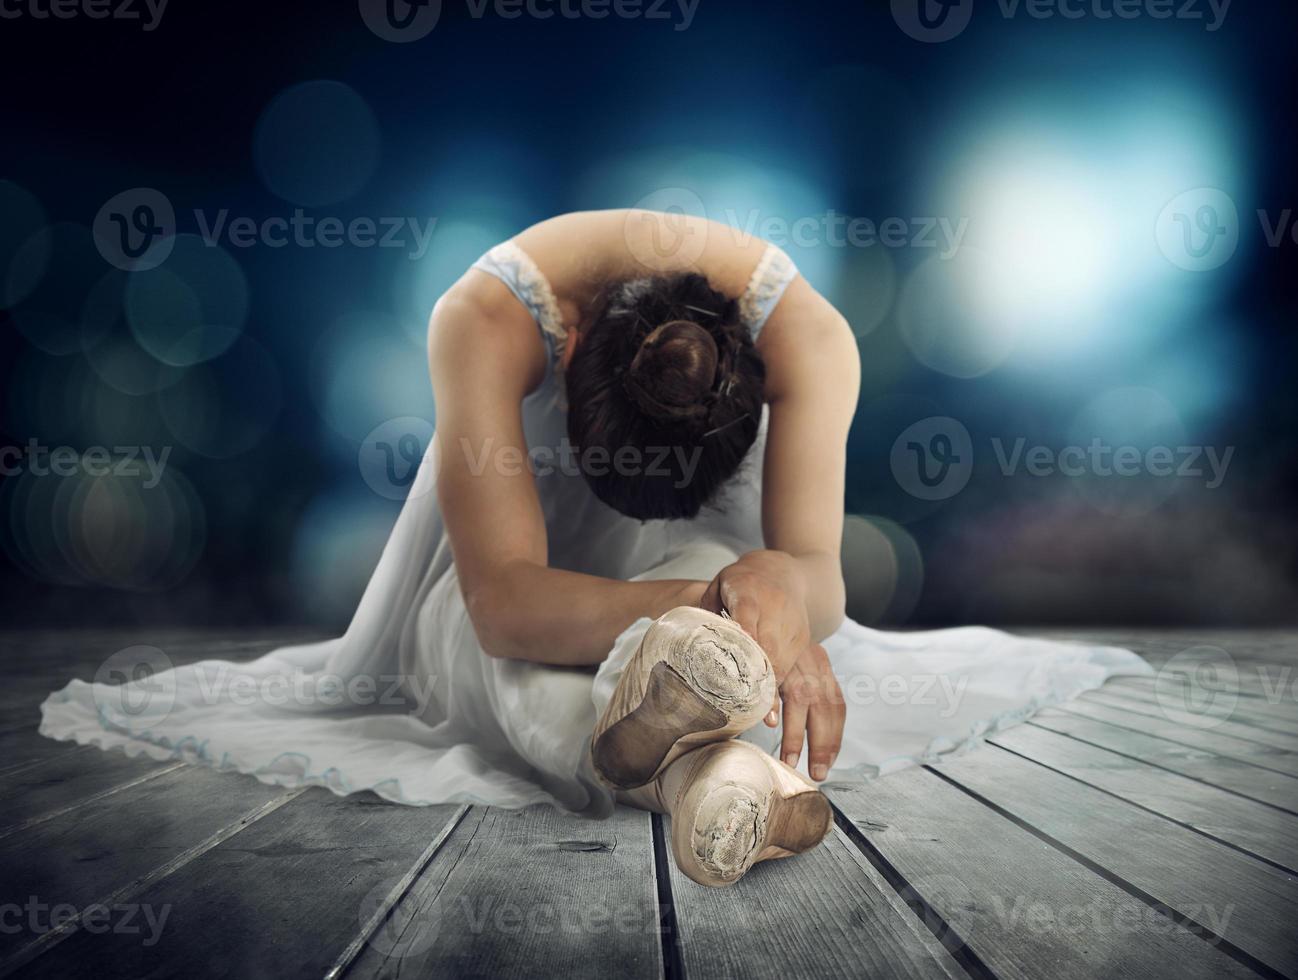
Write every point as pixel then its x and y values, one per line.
pixel 617 573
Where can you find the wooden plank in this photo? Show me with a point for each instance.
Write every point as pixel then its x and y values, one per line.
pixel 1249 904
pixel 514 893
pixel 1208 740
pixel 1261 831
pixel 1270 695
pixel 1019 907
pixel 63 777
pixel 826 913
pixel 25 747
pixel 1187 719
pixel 282 898
pixel 79 858
pixel 1253 711
pixel 1247 780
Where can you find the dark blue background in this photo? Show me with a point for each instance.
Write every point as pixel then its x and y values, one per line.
pixel 789 109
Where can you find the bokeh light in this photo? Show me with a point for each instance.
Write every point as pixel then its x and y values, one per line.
pixel 192 307
pixel 949 318
pixel 21 217
pixel 883 571
pixel 209 410
pixel 335 549
pixel 1134 421
pixel 365 370
pixel 317 143
pixel 49 279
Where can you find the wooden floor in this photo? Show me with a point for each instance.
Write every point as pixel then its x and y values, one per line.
pixel 1111 838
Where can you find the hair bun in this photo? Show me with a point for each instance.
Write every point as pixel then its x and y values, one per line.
pixel 673 373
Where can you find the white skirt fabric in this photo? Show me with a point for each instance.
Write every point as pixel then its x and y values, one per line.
pixel 408 706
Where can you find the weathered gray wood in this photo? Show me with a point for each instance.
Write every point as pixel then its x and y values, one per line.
pixel 1273 697
pixel 1022 908
pixel 1248 903
pixel 21 749
pixel 1253 711
pixel 1262 831
pixel 1240 777
pixel 1186 719
pixel 89 853
pixel 1209 740
pixel 63 780
pixel 826 913
pixel 281 898
pixel 518 893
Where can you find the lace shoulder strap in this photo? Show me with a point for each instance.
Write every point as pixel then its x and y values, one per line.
pixel 767 284
pixel 515 268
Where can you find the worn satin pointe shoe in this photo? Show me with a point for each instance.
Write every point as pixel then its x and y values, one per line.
pixel 696 678
pixel 732 805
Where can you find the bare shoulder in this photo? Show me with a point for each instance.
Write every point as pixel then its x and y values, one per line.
pixel 807 344
pixel 479 331
pixel 576 249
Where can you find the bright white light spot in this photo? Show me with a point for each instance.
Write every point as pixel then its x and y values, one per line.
pixel 1049 231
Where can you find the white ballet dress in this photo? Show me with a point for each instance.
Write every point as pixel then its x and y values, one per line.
pixel 405 704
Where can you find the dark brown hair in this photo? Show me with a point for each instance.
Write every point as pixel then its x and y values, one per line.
pixel 663 365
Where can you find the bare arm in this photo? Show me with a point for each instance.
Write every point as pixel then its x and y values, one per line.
pixel 790 596
pixel 484 356
pixel 813 379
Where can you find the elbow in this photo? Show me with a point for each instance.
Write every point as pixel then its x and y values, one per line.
pixel 494 626
pixel 833 610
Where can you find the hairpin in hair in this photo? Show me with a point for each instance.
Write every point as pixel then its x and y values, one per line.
pixel 726 387
pixel 699 309
pixel 722 428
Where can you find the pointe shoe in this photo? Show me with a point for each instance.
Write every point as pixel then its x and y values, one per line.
pixel 697 677
pixel 732 805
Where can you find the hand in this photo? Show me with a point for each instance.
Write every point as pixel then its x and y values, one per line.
pixel 764 593
pixel 813 704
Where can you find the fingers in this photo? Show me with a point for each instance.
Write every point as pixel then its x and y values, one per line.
pixel 814 712
pixel 795 727
pixel 772 718
pixel 711 600
pixel 824 738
